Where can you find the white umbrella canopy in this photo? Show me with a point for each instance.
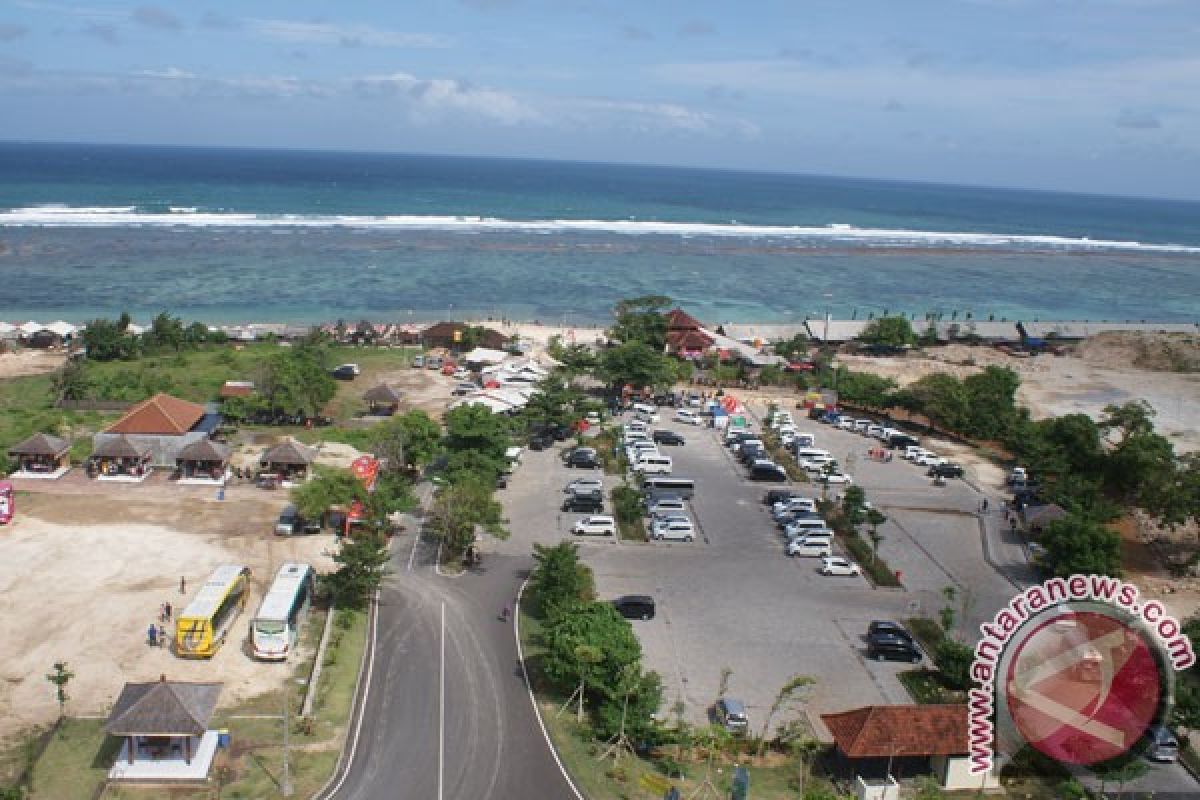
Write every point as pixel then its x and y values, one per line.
pixel 31 327
pixel 61 327
pixel 6 327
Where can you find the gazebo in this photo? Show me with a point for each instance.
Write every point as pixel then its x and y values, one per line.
pixel 290 460
pixel 203 462
pixel 42 456
pixel 383 399
pixel 164 725
pixel 119 458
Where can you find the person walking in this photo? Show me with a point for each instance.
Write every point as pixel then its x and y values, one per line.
pixel 985 505
pixel 152 635
pixel 182 585
pixel 167 610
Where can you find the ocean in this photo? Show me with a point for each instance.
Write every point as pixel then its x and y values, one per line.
pixel 231 235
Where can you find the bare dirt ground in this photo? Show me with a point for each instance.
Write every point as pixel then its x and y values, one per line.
pixel 29 362
pixel 83 591
pixel 1100 372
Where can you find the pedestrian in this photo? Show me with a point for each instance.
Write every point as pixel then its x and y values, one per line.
pixel 162 636
pixel 152 635
pixel 162 612
pixel 167 609
pixel 985 505
pixel 504 612
pixel 182 585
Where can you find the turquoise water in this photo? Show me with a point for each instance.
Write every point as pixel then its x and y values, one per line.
pixel 237 235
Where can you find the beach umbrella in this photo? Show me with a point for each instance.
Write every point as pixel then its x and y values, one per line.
pixel 31 327
pixel 61 327
pixel 6 327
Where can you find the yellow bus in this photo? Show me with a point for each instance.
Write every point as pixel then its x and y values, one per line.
pixel 204 624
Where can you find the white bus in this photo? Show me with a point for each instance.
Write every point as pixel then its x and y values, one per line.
pixel 276 627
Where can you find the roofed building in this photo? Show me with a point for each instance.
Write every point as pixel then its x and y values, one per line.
pixel 164 725
pixel 203 462
pixel 41 456
pixel 450 335
pixel 290 460
pixel 120 458
pixel 906 740
pixel 383 399
pixel 164 425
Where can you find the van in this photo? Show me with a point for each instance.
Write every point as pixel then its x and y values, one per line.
pixel 653 465
pixel 731 715
pixel 669 484
pixel 902 441
pixel 812 549
pixel 800 526
pixel 418 361
pixel 803 453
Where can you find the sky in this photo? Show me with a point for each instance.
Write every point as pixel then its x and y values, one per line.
pixel 1099 96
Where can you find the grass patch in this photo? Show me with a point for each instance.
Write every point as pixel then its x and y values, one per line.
pixel 878 569
pixel 75 762
pixel 926 687
pixel 928 632
pixel 27 407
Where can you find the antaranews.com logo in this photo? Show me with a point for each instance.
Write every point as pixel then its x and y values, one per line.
pixel 1079 668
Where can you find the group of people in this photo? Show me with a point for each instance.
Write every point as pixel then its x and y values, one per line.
pixel 156 633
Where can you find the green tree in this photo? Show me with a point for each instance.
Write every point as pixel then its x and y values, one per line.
pixel 296 381
pixel 630 706
pixel 854 506
pixel 362 566
pixel 991 397
pixel 1079 543
pixel 560 581
pixel 462 508
pixel 71 382
pixel 942 398
pixel 554 403
pixel 596 625
pixel 864 390
pixel 892 331
pixel 641 319
pixel 954 660
pixel 875 518
pixel 792 349
pixel 407 441
pixel 105 340
pixel 794 692
pixel 637 364
pixel 329 488
pixel 166 332
pixel 60 677
pixel 475 442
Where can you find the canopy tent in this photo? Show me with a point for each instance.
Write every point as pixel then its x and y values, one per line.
pixel 31 327
pixel 61 327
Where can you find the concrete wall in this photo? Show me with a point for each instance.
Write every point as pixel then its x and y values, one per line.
pixel 955 773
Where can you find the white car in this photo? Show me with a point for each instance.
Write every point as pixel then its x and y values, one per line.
pixel 679 530
pixel 462 374
pixel 911 452
pixel 667 505
pixel 584 486
pixel 846 424
pixel 836 478
pixel 795 504
pixel 803 544
pixel 802 527
pixel 653 464
pixel 815 464
pixel 687 417
pixel 836 565
pixel 928 459
pixel 595 526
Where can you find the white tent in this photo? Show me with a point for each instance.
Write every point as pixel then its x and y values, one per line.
pixel 31 327
pixel 6 327
pixel 61 327
pixel 135 329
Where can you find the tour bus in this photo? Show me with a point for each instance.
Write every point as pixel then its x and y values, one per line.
pixel 7 506
pixel 276 626
pixel 668 484
pixel 205 623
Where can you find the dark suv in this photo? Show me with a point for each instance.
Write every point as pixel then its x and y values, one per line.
pixel 946 471
pixel 888 640
pixel 583 457
pixel 635 606
pixel 590 503
pixel 667 437
pixel 767 471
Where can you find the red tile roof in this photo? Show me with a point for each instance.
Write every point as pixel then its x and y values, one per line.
pixel 236 389
pixel 679 341
pixel 678 319
pixel 881 731
pixel 161 414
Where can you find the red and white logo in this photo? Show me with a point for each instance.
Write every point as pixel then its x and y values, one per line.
pixel 1083 686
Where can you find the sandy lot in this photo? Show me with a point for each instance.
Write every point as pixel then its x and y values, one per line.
pixel 1084 382
pixel 29 362
pixel 85 593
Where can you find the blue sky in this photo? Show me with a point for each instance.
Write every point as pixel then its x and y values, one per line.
pixel 1085 95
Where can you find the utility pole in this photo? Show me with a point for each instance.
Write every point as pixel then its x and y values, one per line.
pixel 285 784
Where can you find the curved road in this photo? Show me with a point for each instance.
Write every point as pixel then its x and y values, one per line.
pixel 480 738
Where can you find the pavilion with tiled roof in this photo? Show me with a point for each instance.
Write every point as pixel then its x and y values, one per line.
pixel 163 424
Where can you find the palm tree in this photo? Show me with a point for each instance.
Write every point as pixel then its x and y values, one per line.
pixel 875 518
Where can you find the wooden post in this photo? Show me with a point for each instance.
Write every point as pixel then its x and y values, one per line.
pixel 187 750
pixel 132 748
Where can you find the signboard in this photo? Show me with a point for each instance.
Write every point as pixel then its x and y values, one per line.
pixel 366 469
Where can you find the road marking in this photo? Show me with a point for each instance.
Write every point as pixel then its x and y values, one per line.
pixel 537 712
pixel 413 554
pixel 442 708
pixel 365 681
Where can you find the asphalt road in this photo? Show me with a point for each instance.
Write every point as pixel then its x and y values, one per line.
pixel 477 739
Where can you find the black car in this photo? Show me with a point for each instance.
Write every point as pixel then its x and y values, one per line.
pixel 774 496
pixel 749 455
pixel 946 471
pixel 590 503
pixel 667 437
pixel 635 606
pixel 540 441
pixel 884 626
pixel 899 441
pixel 583 458
pixel 892 647
pixel 344 373
pixel 767 471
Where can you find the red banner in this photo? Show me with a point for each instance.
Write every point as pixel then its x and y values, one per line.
pixel 366 469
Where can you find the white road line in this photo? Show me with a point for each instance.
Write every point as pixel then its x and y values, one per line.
pixel 413 554
pixel 442 709
pixel 537 712
pixel 362 705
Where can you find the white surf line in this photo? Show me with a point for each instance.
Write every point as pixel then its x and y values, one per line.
pixel 362 705
pixel 537 712
pixel 442 708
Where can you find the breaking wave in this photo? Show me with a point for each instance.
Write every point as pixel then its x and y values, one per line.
pixel 61 216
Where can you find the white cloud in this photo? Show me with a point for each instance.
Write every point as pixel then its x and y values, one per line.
pixel 428 99
pixel 345 35
pixel 170 73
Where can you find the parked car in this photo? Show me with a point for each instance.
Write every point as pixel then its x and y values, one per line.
pixel 345 372
pixel 540 441
pixel 1018 475
pixel 835 477
pixel 767 471
pixel 889 646
pixel 815 549
pixel 837 565
pixel 653 464
pixel 730 714
pixel 1161 744
pixel 794 503
pixel 795 546
pixel 584 486
pixel 947 470
pixel 899 441
pixel 884 626
pixel 635 606
pixel 666 505
pixel 418 361
pixel 464 388
pixel 774 496
pixel 582 458
pixel 586 503
pixel 680 530
pixel 289 521
pixel 668 438
pixel 596 525
pixel 687 416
